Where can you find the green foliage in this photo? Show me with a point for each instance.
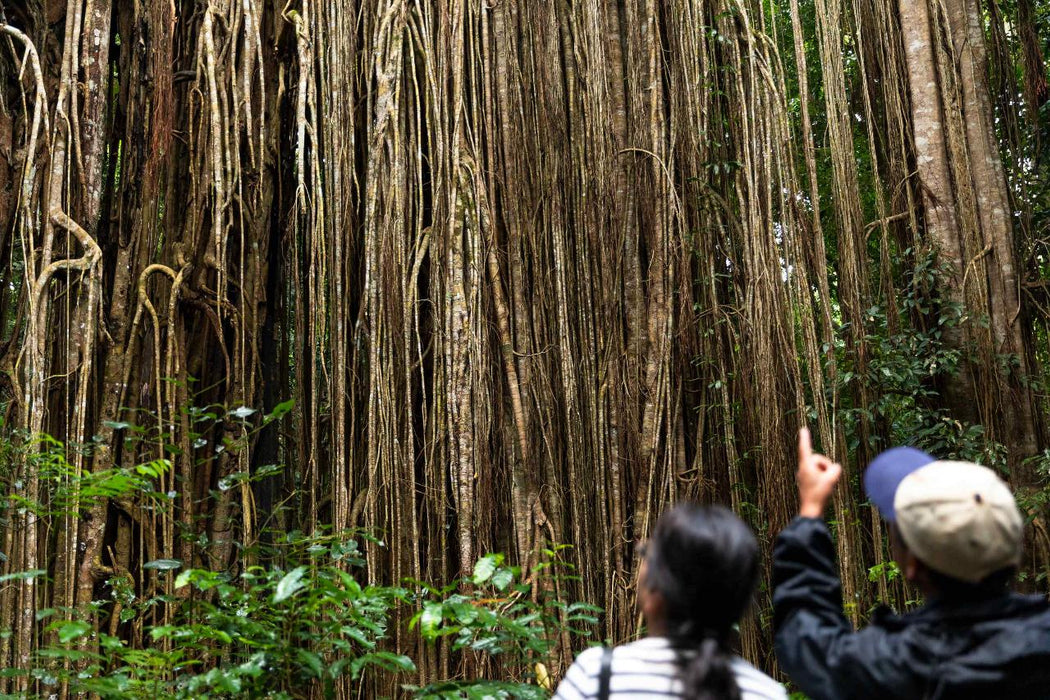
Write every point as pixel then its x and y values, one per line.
pixel 294 628
pixel 268 632
pixel 1034 500
pixel 279 633
pixel 907 370
pixel 889 570
pixel 499 612
pixel 278 629
pixel 66 489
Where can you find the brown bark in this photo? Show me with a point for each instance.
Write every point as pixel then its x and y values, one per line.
pixel 94 59
pixel 1036 87
pixel 929 128
pixel 968 214
pixel 1019 428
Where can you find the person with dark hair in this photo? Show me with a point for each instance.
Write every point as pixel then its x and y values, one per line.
pixel 956 533
pixel 696 579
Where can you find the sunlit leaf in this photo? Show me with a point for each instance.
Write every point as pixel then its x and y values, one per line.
pixel 502 578
pixel 485 567
pixel 282 409
pixel 69 631
pixel 22 575
pixel 290 584
pixel 430 619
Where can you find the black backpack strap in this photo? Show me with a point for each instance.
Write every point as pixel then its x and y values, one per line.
pixel 605 673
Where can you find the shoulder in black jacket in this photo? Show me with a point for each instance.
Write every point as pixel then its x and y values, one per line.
pixel 996 648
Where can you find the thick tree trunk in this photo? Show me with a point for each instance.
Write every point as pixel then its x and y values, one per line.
pixel 1019 429
pixel 968 217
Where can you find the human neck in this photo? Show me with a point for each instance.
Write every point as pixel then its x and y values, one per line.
pixel 656 626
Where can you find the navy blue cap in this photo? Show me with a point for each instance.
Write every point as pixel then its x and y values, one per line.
pixel 887 471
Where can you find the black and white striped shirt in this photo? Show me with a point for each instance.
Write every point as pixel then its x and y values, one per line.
pixel 649 667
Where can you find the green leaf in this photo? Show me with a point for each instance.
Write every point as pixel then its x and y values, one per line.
pixel 69 631
pixel 430 620
pixel 383 659
pixel 466 614
pixel 311 661
pixel 69 654
pixel 268 470
pixel 183 578
pixel 359 636
pixel 290 584
pixel 45 612
pixel 485 567
pixel 162 564
pixel 162 631
pixel 502 578
pixel 254 666
pixel 282 409
pixel 155 469
pixel 22 575
pixel 110 643
pixel 336 669
pixel 203 579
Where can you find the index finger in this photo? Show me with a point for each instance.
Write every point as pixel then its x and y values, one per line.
pixel 805 444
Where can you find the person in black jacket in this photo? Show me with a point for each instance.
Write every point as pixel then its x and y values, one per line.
pixel 956 534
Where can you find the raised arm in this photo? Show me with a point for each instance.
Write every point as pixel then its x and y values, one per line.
pixel 807 598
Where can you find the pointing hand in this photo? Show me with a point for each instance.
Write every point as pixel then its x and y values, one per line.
pixel 816 476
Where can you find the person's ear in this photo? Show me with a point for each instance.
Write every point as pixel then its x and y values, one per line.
pixel 649 600
pixel 651 603
pixel 909 565
pixel 912 568
pixel 918 574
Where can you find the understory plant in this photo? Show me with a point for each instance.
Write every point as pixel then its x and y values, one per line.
pixel 302 623
pixel 277 633
pixel 908 367
pixel 514 616
pixel 265 632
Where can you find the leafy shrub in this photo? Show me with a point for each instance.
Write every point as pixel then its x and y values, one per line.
pixel 907 369
pixel 300 626
pixel 266 633
pixel 501 613
pixel 278 633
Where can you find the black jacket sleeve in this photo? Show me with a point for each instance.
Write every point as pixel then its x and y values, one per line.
pixel 815 643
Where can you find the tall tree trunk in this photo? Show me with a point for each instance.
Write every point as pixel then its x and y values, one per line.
pixel 967 215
